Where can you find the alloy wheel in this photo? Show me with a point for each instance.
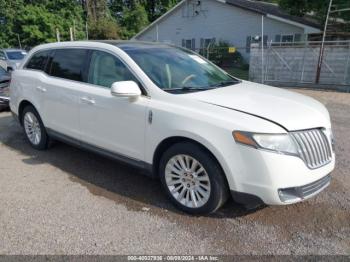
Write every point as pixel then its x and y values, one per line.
pixel 32 128
pixel 187 181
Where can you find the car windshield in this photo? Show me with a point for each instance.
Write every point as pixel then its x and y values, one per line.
pixel 16 55
pixel 178 70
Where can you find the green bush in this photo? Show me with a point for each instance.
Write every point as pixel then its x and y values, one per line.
pixel 219 55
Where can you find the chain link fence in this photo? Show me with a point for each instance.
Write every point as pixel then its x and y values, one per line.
pixel 296 65
pixel 232 59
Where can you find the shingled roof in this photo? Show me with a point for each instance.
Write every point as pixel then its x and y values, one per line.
pixel 272 9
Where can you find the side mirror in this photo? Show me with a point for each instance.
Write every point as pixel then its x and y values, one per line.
pixel 125 89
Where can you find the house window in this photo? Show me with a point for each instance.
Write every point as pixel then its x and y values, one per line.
pixel 287 38
pixel 297 38
pixel 278 38
pixel 254 39
pixel 189 43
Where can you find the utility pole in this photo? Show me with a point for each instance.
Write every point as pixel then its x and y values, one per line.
pixel 58 35
pixel 320 58
pixel 87 30
pixel 71 33
pixel 19 41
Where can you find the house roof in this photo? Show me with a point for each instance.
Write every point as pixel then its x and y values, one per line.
pixel 272 9
pixel 250 5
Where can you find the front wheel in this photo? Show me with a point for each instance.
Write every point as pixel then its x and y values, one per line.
pixel 34 129
pixel 193 179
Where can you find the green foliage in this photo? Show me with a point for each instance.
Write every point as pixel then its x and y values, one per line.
pixel 101 23
pixel 133 15
pixel 36 21
pixel 134 20
pixel 103 28
pixel 319 7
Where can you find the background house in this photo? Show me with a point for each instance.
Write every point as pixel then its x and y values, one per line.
pixel 196 23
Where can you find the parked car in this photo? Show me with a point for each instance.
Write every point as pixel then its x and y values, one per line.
pixel 171 112
pixel 11 58
pixel 4 88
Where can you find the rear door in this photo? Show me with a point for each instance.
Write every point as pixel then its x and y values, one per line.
pixel 62 90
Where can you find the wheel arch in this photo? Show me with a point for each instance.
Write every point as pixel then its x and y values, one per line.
pixel 169 141
pixel 23 104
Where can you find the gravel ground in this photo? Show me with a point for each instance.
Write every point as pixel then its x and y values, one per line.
pixel 67 201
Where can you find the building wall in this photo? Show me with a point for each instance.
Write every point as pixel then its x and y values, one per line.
pixel 215 20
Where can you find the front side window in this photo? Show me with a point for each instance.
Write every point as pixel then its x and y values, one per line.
pixel 105 69
pixel 69 64
pixel 173 69
pixel 38 60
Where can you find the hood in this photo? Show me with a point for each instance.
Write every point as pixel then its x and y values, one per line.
pixel 288 109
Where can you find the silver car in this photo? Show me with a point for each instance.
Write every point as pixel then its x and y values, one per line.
pixel 11 58
pixel 4 88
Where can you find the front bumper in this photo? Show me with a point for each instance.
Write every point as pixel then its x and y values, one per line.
pixel 278 179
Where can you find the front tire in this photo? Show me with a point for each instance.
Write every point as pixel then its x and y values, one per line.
pixel 193 179
pixel 34 129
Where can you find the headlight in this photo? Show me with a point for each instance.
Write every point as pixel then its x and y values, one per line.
pixel 280 143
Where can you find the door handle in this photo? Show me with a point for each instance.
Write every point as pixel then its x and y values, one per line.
pixel 41 89
pixel 87 100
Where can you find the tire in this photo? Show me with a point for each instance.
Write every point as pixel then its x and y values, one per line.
pixel 194 179
pixel 42 140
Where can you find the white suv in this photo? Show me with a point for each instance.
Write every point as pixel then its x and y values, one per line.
pixel 171 112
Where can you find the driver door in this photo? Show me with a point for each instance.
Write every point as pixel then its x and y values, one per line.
pixel 115 124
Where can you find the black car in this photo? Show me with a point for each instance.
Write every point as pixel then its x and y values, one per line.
pixel 5 78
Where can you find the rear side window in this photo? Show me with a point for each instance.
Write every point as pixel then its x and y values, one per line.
pixel 38 61
pixel 68 64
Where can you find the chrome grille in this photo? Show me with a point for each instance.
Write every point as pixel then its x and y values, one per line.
pixel 313 146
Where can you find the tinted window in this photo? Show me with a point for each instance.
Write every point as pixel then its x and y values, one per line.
pixel 69 64
pixel 38 61
pixel 16 55
pixel 105 69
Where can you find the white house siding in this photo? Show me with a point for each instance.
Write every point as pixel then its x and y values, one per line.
pixel 215 20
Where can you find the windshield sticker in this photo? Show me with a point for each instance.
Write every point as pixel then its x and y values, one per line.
pixel 198 59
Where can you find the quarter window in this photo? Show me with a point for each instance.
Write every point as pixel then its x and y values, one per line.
pixel 38 61
pixel 105 69
pixel 69 64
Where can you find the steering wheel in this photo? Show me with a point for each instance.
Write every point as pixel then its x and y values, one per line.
pixel 187 78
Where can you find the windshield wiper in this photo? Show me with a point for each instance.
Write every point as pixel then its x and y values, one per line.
pixel 226 83
pixel 187 88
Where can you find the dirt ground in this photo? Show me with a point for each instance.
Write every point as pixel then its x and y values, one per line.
pixel 68 201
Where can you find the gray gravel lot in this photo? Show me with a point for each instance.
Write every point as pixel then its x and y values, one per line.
pixel 68 201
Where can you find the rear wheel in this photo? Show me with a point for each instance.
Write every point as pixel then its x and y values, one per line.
pixel 34 129
pixel 193 179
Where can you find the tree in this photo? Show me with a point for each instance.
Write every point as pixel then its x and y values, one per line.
pixel 319 7
pixel 132 20
pixel 101 23
pixel 36 21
